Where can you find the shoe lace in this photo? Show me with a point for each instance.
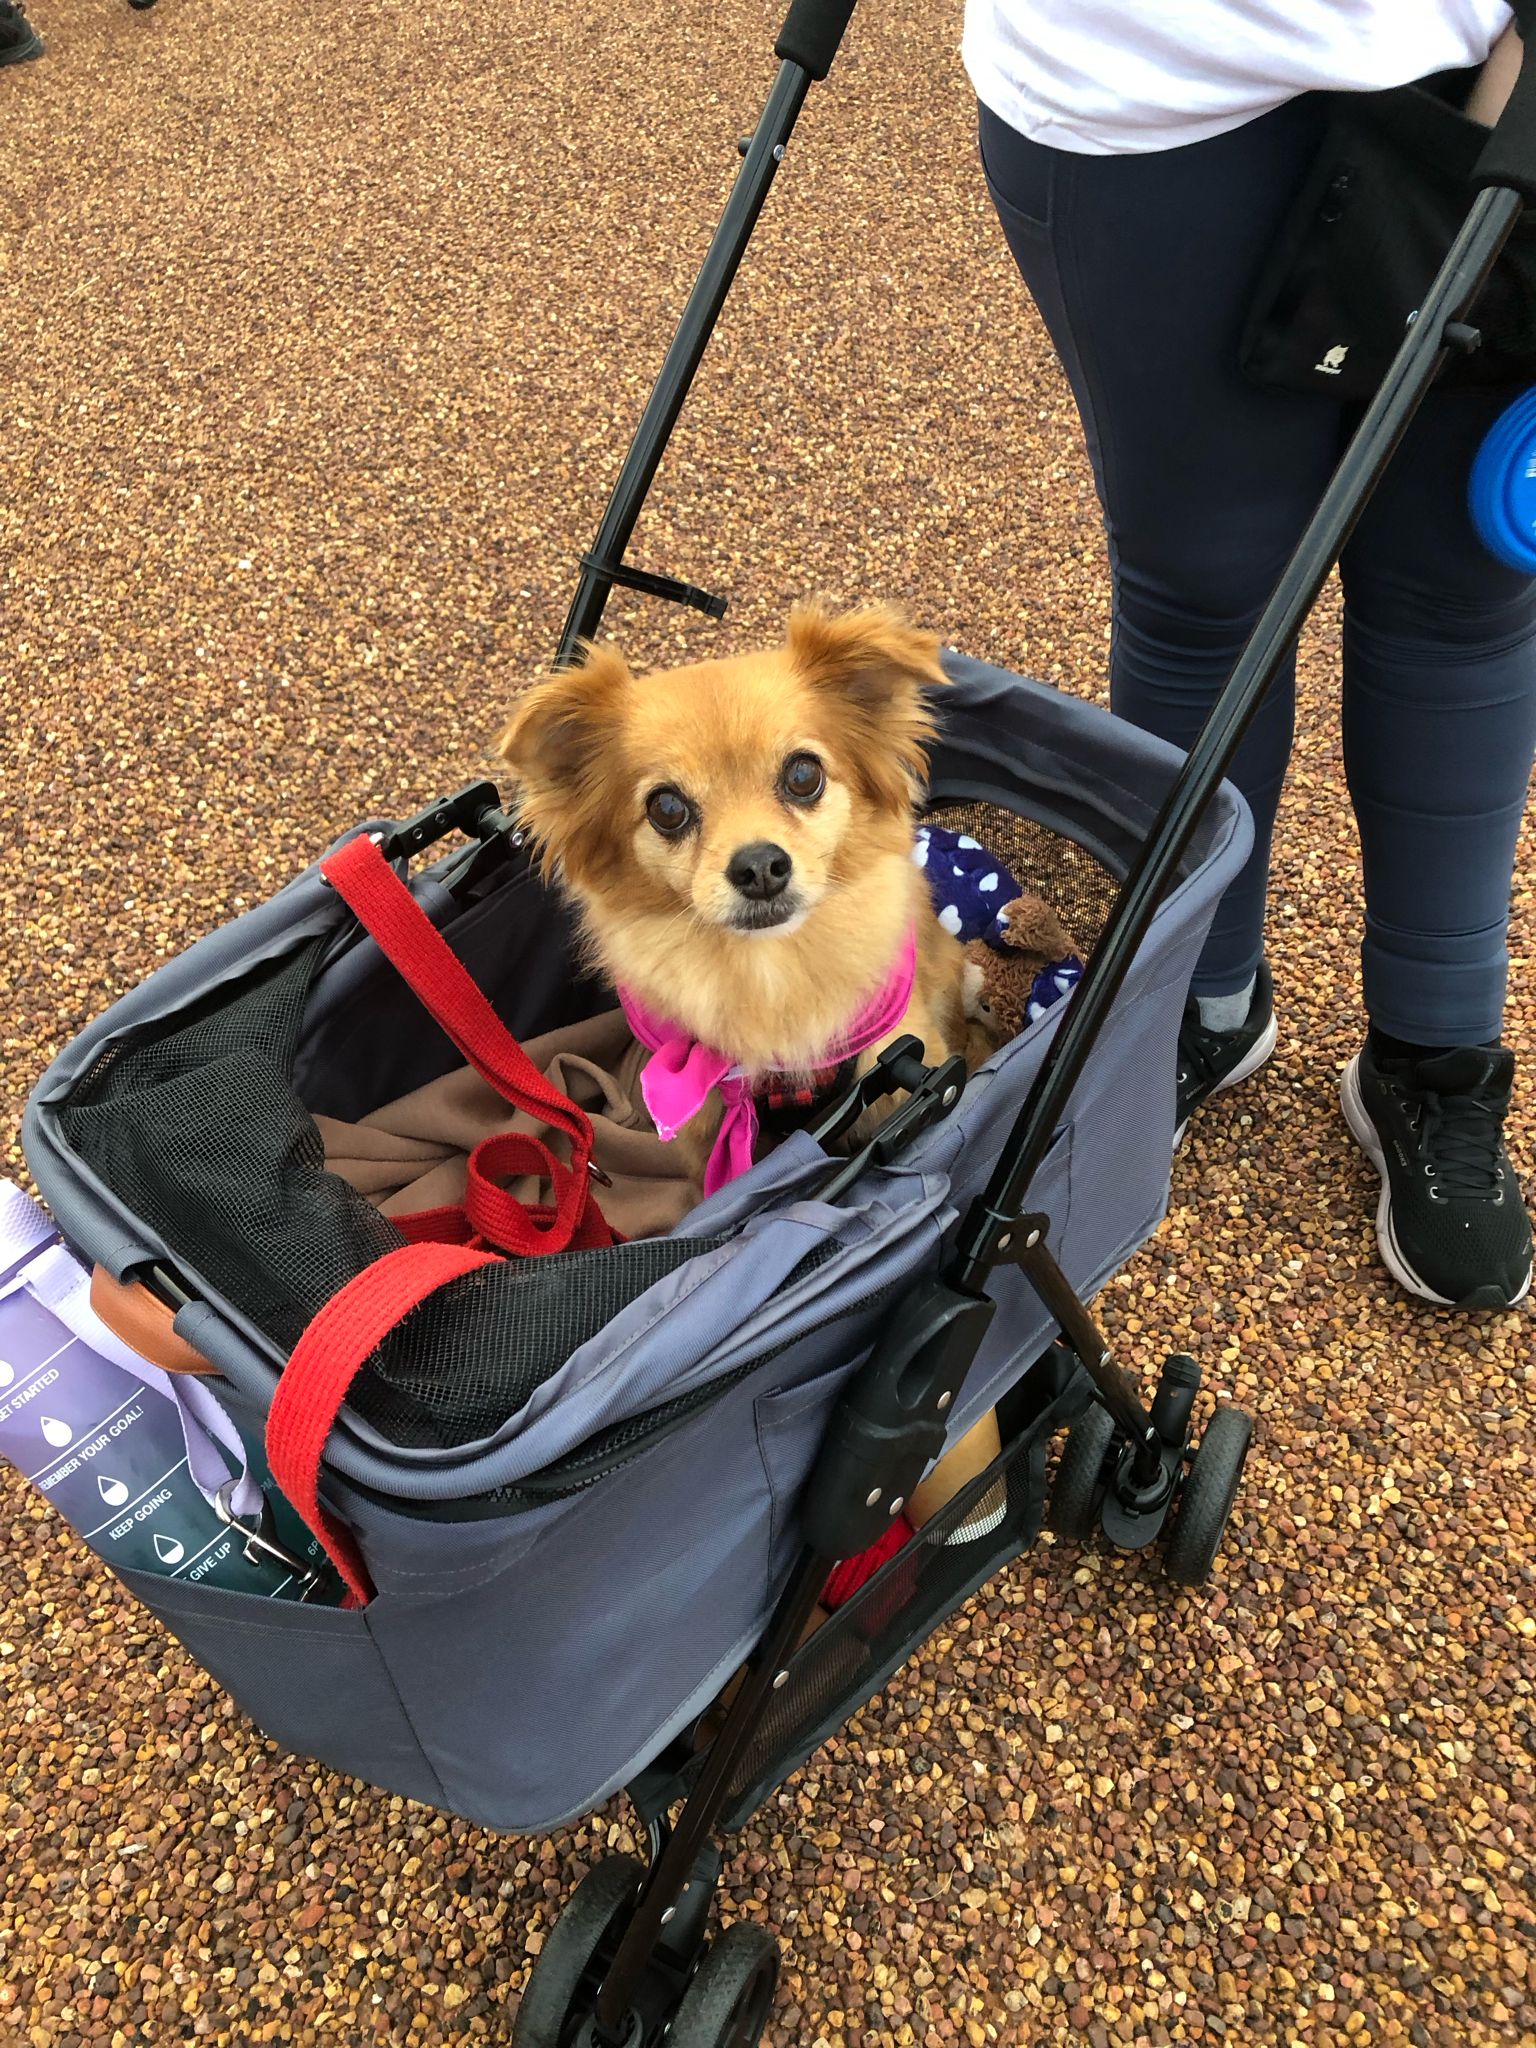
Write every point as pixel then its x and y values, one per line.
pixel 1200 1052
pixel 1461 1143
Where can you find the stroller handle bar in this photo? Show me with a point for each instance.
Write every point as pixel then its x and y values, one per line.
pixel 812 32
pixel 604 565
pixel 1509 156
pixel 808 41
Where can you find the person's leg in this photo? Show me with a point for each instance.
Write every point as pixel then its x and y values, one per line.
pixel 1142 268
pixel 1439 734
pixel 1439 739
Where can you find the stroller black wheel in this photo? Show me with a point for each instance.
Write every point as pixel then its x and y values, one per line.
pixel 568 1970
pixel 1210 1487
pixel 1077 1493
pixel 728 2003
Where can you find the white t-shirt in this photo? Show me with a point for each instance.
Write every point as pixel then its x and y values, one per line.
pixel 1117 77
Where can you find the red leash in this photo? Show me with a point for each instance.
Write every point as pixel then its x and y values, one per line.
pixel 442 1244
pixel 328 1357
pixel 408 939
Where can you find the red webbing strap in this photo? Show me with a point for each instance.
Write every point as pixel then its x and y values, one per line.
pixel 500 1219
pixel 333 1349
pixel 408 939
pixel 488 1213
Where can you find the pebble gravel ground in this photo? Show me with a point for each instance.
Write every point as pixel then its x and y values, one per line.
pixel 321 333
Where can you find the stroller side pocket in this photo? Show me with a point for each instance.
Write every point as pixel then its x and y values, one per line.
pixel 790 1424
pixel 312 1678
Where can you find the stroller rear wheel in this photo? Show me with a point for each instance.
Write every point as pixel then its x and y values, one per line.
pixel 728 2002
pixel 1077 1493
pixel 1210 1487
pixel 568 1970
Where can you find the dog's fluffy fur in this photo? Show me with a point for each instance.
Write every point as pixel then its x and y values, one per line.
pixel 591 749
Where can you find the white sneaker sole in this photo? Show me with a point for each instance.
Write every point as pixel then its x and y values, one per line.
pixel 985 1517
pixel 1262 1049
pixel 1366 1137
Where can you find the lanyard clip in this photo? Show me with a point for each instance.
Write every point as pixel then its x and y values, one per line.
pixel 261 1541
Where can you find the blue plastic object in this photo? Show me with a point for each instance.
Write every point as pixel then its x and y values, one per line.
pixel 1501 494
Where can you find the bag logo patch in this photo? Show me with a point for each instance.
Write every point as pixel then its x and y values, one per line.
pixel 1332 359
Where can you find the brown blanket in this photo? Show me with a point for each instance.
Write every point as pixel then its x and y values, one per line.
pixel 411 1154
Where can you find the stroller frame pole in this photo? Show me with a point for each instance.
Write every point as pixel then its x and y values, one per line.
pixel 604 566
pixel 669 1875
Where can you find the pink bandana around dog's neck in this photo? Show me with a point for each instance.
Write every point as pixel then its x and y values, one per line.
pixel 680 1074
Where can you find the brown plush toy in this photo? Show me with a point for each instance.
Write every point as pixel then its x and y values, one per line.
pixel 1037 939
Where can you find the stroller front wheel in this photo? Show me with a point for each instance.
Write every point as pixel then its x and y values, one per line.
pixel 1210 1488
pixel 568 1971
pixel 728 2002
pixel 1077 1492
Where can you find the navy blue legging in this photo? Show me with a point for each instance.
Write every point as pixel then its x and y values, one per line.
pixel 1143 267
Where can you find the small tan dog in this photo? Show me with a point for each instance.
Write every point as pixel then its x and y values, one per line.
pixel 737 836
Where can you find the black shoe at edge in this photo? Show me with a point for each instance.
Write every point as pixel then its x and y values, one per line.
pixel 1451 1222
pixel 19 40
pixel 1210 1061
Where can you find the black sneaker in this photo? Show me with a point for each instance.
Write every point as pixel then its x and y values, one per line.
pixel 1210 1061
pixel 19 40
pixel 1451 1222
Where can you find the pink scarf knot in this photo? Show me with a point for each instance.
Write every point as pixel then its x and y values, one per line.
pixel 681 1073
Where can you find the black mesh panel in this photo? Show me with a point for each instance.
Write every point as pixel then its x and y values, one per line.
pixel 471 1355
pixel 197 1129
pixel 852 1655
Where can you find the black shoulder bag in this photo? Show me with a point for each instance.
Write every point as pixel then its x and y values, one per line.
pixel 1370 226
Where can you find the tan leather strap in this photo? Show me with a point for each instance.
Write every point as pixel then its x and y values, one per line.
pixel 143 1323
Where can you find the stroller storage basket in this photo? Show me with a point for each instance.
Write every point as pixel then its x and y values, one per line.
pixel 575 1479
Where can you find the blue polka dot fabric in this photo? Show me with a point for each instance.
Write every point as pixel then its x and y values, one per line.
pixel 1051 984
pixel 970 891
pixel 968 886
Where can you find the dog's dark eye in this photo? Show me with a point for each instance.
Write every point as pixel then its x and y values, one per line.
pixel 669 811
pixel 803 779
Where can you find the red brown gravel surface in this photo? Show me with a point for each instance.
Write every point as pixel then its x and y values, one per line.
pixel 321 332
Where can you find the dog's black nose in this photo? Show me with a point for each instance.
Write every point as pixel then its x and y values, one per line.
pixel 761 871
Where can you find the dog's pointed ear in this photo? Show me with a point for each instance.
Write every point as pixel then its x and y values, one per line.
pixel 876 665
pixel 870 655
pixel 554 724
pixel 557 742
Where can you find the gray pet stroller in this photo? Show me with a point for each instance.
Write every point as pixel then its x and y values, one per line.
pixel 580 1491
